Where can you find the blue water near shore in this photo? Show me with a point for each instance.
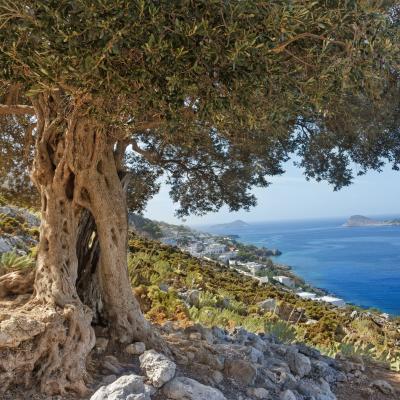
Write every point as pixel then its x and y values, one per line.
pixel 360 265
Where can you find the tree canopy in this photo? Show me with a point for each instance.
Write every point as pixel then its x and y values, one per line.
pixel 217 94
pixel 106 96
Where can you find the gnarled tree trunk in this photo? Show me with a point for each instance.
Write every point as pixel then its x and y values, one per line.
pixel 81 274
pixel 108 206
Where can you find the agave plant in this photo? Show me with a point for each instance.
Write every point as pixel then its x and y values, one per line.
pixel 11 261
pixel 282 330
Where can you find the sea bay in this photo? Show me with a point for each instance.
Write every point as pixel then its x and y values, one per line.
pixel 359 264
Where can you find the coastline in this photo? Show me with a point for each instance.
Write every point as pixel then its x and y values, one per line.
pixel 357 265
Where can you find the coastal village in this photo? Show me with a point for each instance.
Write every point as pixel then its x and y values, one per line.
pixel 213 305
pixel 245 259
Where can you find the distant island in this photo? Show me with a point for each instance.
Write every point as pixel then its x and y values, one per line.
pixel 231 225
pixel 360 220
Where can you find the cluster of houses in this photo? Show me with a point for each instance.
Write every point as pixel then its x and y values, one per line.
pixel 206 246
pixel 250 266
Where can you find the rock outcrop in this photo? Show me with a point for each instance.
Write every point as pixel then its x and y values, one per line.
pixel 158 368
pixel 128 387
pixel 182 388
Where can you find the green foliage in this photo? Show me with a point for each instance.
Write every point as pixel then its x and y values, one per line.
pixel 12 261
pixel 229 299
pixel 16 154
pixel 282 330
pixel 207 299
pixel 166 305
pixel 193 279
pixel 228 89
pixel 17 226
pixel 10 224
pixel 152 229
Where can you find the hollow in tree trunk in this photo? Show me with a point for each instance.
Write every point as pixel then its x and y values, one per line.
pixel 76 283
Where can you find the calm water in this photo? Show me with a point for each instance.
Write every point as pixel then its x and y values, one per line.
pixel 360 265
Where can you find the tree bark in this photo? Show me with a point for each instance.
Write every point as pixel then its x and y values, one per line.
pixel 81 275
pixel 108 206
pixel 53 353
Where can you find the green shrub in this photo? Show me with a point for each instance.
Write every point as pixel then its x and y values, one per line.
pixel 12 261
pixel 282 330
pixel 207 299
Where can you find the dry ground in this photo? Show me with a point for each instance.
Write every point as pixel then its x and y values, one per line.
pixel 360 390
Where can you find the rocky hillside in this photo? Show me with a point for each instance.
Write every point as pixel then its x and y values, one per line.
pixel 228 336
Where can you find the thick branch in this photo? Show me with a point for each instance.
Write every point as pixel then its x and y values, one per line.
pixel 16 110
pixel 150 156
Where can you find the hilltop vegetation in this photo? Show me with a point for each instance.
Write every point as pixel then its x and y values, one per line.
pixel 164 278
pixel 171 285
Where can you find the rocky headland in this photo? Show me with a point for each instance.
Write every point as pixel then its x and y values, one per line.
pixel 360 220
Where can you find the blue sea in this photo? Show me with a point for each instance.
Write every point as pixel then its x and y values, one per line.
pixel 359 264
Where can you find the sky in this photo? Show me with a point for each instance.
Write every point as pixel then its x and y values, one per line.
pixel 291 197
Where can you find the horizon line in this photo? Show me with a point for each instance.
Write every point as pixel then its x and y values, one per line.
pixel 295 219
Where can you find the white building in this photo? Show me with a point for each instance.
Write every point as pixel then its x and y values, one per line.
pixel 307 295
pixel 285 280
pixel 229 255
pixel 254 267
pixel 332 300
pixel 215 248
pixel 263 279
pixel 194 249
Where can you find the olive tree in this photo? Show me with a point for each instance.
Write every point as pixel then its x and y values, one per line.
pixel 216 95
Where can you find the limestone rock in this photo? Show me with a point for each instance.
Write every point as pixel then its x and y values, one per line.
pixel 258 343
pixel 217 377
pixel 5 245
pixel 158 368
pixel 182 388
pixel 288 380
pixel 299 364
pixel 255 355
pixel 267 305
pixel 350 364
pixel 195 336
pixel 219 333
pixel 136 348
pixel 241 371
pixel 383 386
pixel 308 351
pixel 203 373
pixel 287 395
pixel 323 370
pixel 193 297
pixel 127 387
pixel 207 335
pixel 149 390
pixel 315 390
pixel 240 335
pixel 257 393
